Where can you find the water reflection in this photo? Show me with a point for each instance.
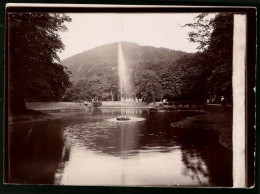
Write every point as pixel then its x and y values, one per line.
pixel 87 149
pixel 35 153
pixel 203 156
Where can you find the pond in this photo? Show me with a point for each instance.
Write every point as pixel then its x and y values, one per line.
pixel 89 148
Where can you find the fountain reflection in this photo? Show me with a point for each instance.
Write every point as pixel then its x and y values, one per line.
pixel 103 136
pixel 88 149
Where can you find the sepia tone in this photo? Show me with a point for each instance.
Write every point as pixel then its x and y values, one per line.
pixel 122 112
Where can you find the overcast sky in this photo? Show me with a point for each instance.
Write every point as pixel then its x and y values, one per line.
pixel 89 30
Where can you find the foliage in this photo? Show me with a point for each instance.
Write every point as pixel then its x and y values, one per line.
pixel 146 84
pixel 217 54
pixel 155 74
pixel 100 64
pixel 221 52
pixel 202 29
pixel 104 58
pixel 98 87
pixel 97 104
pixel 35 72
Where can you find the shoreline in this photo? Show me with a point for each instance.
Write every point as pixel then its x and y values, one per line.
pixel 219 121
pixel 30 116
pixel 35 116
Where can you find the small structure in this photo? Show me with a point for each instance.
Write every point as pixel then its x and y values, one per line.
pixel 122 118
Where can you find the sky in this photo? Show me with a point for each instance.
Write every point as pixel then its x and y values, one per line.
pixel 90 30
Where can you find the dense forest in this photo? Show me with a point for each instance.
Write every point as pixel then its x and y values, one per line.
pixel 160 73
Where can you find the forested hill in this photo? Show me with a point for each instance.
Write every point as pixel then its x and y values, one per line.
pixel 159 73
pixel 103 59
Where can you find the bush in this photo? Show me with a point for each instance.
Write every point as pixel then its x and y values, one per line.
pixel 97 104
pixel 170 103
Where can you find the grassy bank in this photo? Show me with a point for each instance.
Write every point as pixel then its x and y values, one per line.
pixel 219 121
pixel 38 111
pixel 29 116
pixel 55 106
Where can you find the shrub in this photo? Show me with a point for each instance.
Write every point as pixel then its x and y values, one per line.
pixel 97 104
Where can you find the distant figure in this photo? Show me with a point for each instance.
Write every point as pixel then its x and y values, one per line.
pixel 223 101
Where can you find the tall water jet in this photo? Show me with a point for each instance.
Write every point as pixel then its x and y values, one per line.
pixel 125 88
pixel 122 73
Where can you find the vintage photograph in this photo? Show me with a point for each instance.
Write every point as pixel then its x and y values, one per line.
pixel 122 99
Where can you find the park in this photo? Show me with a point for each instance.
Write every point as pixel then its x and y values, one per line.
pixel 120 113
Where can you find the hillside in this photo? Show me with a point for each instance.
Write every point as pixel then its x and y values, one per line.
pixel 103 59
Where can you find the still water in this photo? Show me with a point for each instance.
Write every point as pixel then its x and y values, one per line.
pixel 87 148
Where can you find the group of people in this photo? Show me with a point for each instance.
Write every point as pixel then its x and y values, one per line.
pixel 223 101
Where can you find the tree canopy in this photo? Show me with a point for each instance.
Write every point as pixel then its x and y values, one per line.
pixel 34 69
pixel 217 52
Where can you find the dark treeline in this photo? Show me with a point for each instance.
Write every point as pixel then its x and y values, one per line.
pixel 34 69
pixel 204 75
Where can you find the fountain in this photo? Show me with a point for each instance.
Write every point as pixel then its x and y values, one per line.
pixel 123 78
pixel 123 118
pixel 124 82
pixel 125 87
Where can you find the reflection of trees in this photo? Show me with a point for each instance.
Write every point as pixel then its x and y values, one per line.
pixel 158 131
pixel 98 134
pixel 35 152
pixel 40 155
pixel 195 166
pixel 204 157
pixel 64 159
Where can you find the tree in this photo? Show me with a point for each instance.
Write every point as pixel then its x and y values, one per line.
pixel 202 29
pixel 146 84
pixel 185 78
pixel 215 37
pixel 221 52
pixel 98 86
pixel 168 83
pixel 110 86
pixel 34 69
